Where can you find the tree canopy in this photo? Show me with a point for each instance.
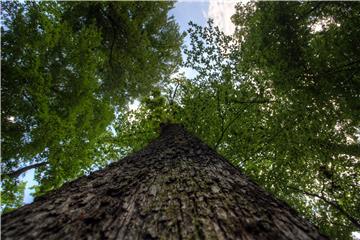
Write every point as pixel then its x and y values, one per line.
pixel 307 57
pixel 280 98
pixel 66 69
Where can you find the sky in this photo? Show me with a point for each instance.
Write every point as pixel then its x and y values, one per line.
pixel 184 12
pixel 199 12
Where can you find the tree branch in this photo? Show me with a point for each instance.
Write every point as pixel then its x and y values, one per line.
pixel 334 204
pixel 223 130
pixel 219 110
pixel 18 172
pixel 252 102
pixel 228 126
pixel 311 10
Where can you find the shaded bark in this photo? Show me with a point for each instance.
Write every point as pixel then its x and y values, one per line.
pixel 175 188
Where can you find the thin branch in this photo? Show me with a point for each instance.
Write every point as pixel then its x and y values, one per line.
pixel 340 68
pixel 311 10
pixel 219 110
pixel 17 173
pixel 252 102
pixel 114 35
pixel 171 102
pixel 238 115
pixel 29 100
pixel 334 204
pixel 223 131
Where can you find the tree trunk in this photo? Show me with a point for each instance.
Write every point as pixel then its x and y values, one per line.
pixel 176 188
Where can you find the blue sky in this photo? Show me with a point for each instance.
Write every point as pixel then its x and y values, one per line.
pixel 185 11
pixel 200 11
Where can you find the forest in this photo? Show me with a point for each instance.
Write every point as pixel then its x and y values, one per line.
pixel 280 98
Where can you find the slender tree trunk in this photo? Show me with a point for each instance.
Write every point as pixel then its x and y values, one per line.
pixel 176 188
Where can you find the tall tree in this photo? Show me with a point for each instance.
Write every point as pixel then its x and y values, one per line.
pixel 176 188
pixel 66 68
pixel 271 136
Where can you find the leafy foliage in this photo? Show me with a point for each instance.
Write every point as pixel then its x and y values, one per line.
pixel 50 87
pixel 14 200
pixel 66 68
pixel 299 51
pixel 141 43
pixel 280 98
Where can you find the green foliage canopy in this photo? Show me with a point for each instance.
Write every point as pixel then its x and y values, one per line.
pixel 280 98
pixel 307 56
pixel 66 68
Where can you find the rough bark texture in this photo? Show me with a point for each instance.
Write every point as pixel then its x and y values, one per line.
pixel 176 188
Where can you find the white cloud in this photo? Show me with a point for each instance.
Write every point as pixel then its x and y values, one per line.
pixel 204 14
pixel 221 11
pixel 134 105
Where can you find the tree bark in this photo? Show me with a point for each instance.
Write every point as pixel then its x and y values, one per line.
pixel 175 188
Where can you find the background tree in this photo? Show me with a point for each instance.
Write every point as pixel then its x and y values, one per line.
pixel 300 52
pixel 50 106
